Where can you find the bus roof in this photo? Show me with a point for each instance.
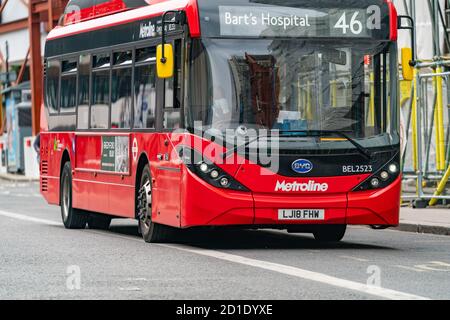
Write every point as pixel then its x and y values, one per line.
pixel 115 16
pixel 112 13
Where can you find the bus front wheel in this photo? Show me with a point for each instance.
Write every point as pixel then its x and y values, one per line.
pixel 151 232
pixel 330 233
pixel 72 218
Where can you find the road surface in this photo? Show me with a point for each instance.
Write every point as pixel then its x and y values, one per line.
pixel 39 259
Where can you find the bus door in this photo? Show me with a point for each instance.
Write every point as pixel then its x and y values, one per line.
pixel 168 167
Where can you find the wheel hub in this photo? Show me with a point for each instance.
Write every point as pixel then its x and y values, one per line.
pixel 145 202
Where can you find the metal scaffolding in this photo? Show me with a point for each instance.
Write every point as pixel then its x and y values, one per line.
pixel 43 15
pixel 427 125
pixel 48 12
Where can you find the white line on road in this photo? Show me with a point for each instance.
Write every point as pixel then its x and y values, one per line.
pixel 354 258
pixel 275 267
pixel 28 218
pixel 303 274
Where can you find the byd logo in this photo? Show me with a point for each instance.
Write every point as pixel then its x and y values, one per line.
pixel 310 186
pixel 302 166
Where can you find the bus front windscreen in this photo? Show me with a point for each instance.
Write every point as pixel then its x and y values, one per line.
pixel 293 85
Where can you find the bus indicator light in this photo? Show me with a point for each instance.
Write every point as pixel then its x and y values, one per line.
pixel 214 174
pixel 375 182
pixel 224 182
pixel 384 175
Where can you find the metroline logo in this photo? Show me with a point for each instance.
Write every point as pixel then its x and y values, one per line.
pixel 310 186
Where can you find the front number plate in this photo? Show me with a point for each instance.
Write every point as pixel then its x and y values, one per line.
pixel 301 214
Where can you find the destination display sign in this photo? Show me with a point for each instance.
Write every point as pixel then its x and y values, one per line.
pixel 296 22
pixel 258 20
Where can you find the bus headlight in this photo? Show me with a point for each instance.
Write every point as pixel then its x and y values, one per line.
pixel 224 182
pixel 393 168
pixel 214 174
pixel 381 179
pixel 384 175
pixel 203 167
pixel 208 171
pixel 375 182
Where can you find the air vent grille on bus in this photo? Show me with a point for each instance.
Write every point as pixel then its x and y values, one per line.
pixel 44 185
pixel 44 172
pixel 44 167
pixel 45 68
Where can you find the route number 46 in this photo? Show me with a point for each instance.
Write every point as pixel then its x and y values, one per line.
pixel 354 21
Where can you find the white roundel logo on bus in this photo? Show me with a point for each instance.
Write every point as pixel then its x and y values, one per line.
pixel 135 149
pixel 302 166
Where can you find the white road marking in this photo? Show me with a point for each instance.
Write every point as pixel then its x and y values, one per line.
pixel 435 266
pixel 130 289
pixel 20 195
pixel 410 268
pixel 270 266
pixel 354 258
pixel 136 279
pixel 303 274
pixel 28 218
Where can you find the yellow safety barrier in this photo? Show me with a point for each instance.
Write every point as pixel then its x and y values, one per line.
pixel 440 131
pixel 372 101
pixel 441 187
pixel 414 122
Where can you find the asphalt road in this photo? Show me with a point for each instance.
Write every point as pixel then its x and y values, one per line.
pixel 39 259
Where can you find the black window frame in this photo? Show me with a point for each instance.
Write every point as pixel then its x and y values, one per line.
pixel 159 83
pixel 89 91
pixel 58 90
pixel 157 97
pixel 91 86
pixel 118 67
pixel 69 73
pixel 179 80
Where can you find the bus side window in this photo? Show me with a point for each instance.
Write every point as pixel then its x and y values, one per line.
pixel 52 91
pixel 172 105
pixel 84 71
pixel 121 90
pixel 68 96
pixel 145 88
pixel 100 91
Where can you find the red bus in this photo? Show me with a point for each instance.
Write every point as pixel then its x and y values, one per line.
pixel 159 111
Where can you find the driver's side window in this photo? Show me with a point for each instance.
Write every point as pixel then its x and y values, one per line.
pixel 173 92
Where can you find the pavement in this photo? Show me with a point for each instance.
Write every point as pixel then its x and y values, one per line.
pixel 42 260
pixel 16 177
pixel 432 220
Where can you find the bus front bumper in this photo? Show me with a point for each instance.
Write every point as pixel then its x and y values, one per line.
pixel 205 205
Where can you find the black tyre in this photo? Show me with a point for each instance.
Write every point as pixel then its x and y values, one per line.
pixel 150 231
pixel 72 218
pixel 98 222
pixel 330 233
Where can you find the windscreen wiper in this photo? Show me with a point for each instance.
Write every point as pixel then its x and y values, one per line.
pixel 320 133
pixel 244 145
